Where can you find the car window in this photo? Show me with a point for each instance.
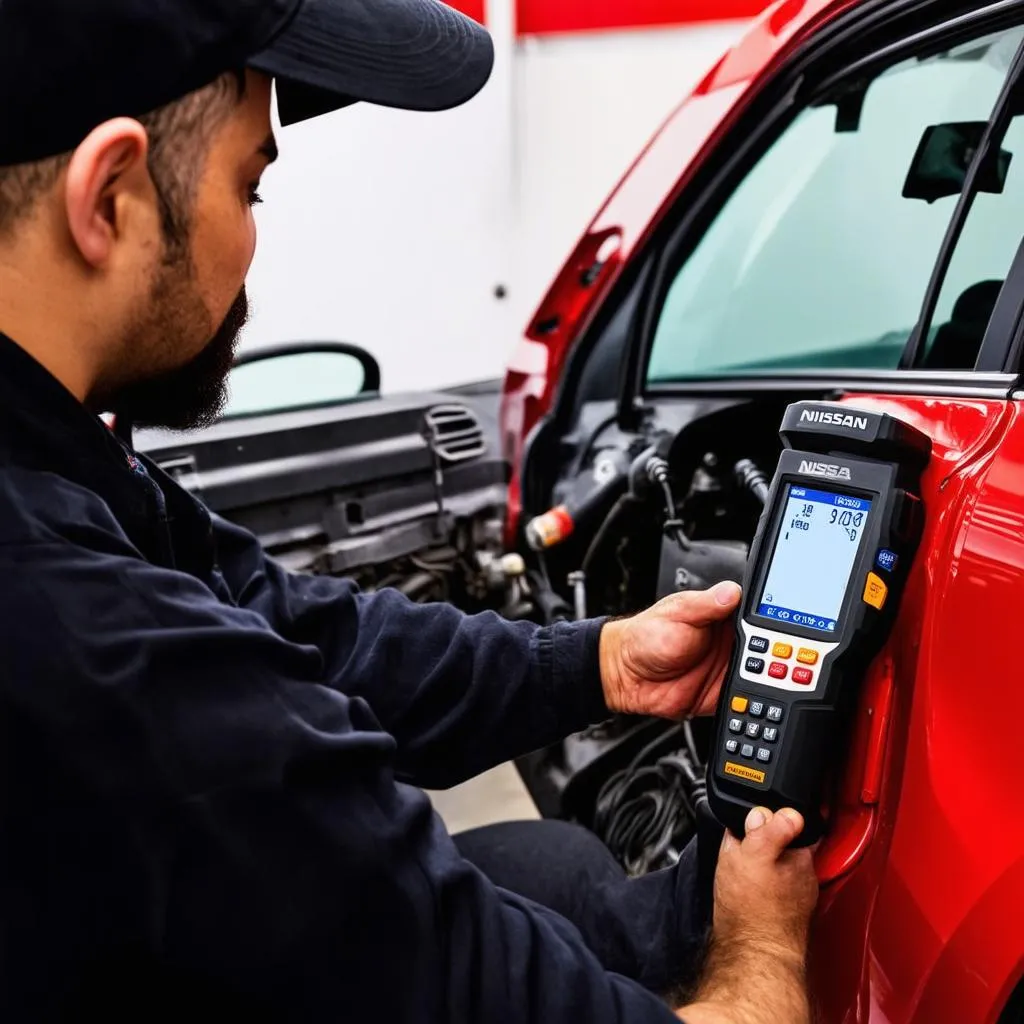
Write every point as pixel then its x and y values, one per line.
pixel 981 259
pixel 817 260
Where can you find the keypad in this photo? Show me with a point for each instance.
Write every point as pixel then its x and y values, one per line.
pixel 751 730
pixel 755 665
pixel 758 644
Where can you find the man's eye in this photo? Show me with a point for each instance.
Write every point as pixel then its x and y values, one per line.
pixel 254 197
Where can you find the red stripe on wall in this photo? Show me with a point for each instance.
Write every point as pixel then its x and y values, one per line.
pixel 474 8
pixel 539 17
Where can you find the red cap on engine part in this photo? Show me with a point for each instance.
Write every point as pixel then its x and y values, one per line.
pixel 549 529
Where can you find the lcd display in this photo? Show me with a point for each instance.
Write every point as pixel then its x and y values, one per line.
pixel 814 556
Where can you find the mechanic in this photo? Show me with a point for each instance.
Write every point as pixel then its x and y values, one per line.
pixel 208 797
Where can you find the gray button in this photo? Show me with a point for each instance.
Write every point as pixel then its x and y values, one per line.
pixel 747 750
pixel 735 725
pixel 732 746
pixel 774 713
pixel 764 754
pixel 753 729
pixel 770 734
pixel 756 709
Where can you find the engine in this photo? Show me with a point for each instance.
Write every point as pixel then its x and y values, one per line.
pixel 637 524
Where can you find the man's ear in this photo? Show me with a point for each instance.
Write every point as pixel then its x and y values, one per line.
pixel 105 172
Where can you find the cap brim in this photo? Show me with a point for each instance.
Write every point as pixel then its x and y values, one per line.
pixel 411 54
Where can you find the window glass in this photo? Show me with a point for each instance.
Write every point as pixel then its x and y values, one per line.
pixel 817 260
pixel 981 259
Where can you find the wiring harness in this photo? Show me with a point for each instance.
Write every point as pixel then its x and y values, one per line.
pixel 646 813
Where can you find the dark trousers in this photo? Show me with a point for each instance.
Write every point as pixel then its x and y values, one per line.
pixel 652 929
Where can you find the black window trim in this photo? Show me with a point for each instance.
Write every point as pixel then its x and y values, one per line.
pixel 797 95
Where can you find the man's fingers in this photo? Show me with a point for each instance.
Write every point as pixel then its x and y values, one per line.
pixel 768 834
pixel 702 608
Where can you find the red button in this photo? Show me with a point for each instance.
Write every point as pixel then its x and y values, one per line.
pixel 777 670
pixel 802 675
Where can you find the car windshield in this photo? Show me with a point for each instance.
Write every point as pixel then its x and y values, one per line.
pixel 817 260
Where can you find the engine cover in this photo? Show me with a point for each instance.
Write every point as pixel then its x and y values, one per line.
pixel 704 564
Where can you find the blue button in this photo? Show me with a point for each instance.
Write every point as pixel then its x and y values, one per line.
pixel 887 560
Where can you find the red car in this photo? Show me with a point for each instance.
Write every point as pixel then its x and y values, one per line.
pixel 837 211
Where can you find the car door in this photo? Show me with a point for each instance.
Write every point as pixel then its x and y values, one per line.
pixel 862 240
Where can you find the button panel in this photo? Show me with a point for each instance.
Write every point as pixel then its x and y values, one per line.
pixel 803 653
pixel 752 734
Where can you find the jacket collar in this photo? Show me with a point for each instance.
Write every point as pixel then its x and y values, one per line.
pixel 44 427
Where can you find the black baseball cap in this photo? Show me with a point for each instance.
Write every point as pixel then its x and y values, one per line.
pixel 67 66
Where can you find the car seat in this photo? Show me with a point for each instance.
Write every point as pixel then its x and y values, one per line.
pixel 957 343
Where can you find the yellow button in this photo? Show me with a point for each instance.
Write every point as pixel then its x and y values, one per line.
pixel 807 656
pixel 875 591
pixel 739 704
pixel 781 650
pixel 741 771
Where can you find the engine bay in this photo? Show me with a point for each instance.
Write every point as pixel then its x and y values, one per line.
pixel 634 518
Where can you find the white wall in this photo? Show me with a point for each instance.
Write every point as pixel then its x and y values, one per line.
pixel 393 230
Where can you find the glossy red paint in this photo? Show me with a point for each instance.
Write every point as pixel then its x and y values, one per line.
pixel 654 182
pixel 923 922
pixel 543 17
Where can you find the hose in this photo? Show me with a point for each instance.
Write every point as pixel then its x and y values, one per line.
pixel 749 477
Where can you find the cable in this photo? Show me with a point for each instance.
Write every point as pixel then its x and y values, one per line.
pixel 656 470
pixel 647 812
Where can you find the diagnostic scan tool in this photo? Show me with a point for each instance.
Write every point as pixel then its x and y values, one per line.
pixel 822 585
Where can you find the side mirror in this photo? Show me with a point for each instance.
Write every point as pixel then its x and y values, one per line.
pixel 300 375
pixel 943 157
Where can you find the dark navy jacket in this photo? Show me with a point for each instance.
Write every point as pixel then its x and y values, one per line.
pixel 207 766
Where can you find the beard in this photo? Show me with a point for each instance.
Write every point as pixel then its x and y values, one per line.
pixel 190 396
pixel 149 387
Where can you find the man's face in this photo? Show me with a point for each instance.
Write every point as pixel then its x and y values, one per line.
pixel 181 346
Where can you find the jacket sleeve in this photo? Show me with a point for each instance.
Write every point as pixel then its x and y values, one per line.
pixel 459 693
pixel 264 834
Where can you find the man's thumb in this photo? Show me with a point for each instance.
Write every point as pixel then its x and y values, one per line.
pixel 703 607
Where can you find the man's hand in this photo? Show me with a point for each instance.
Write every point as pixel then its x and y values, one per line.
pixel 670 660
pixel 764 897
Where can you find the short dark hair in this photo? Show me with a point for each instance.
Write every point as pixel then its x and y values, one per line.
pixel 179 136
